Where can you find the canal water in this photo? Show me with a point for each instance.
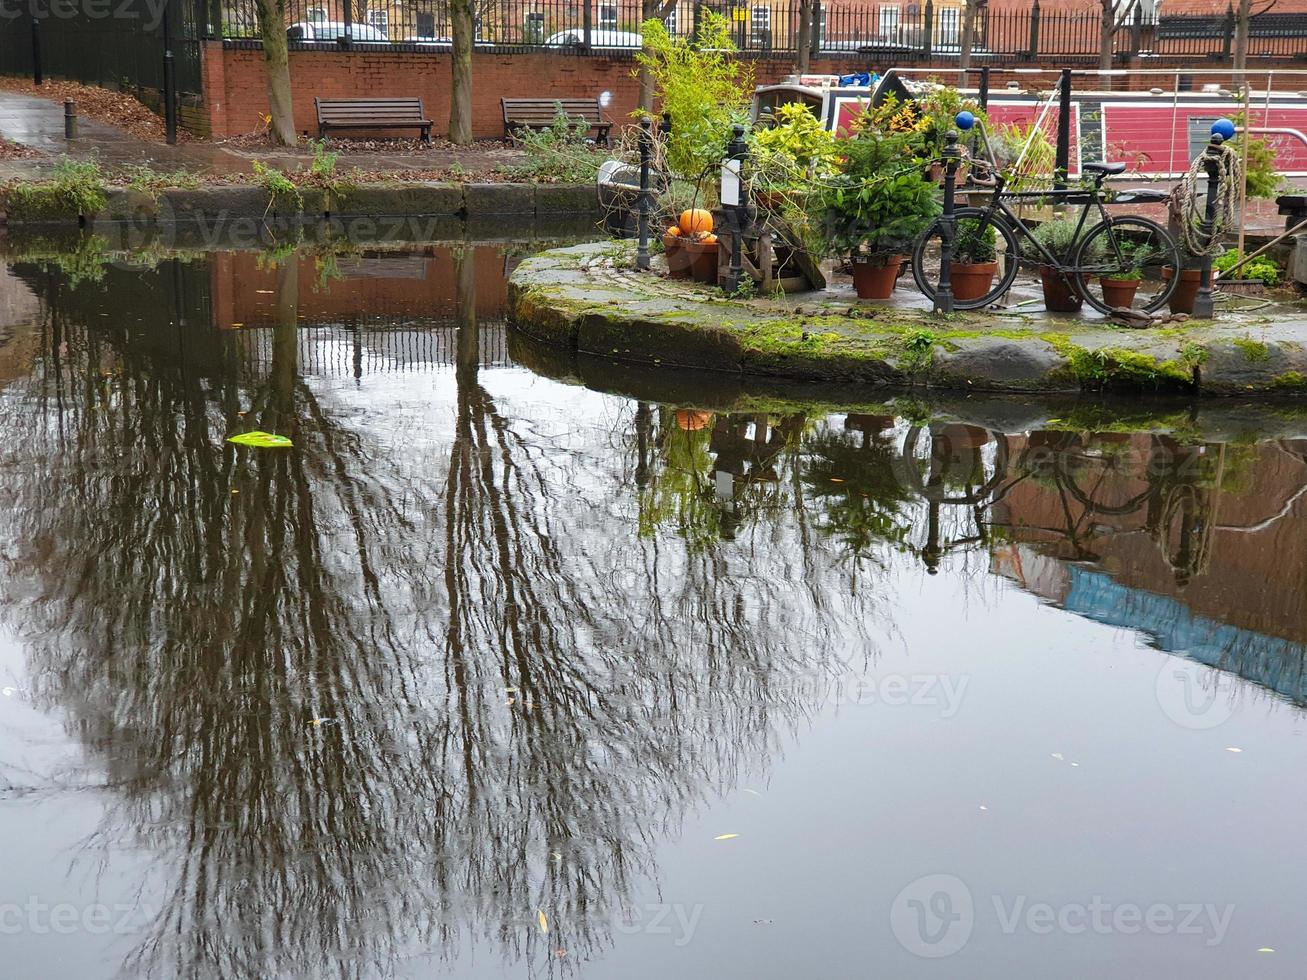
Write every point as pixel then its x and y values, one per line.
pixel 512 666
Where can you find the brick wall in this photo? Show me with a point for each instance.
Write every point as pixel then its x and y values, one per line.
pixel 236 94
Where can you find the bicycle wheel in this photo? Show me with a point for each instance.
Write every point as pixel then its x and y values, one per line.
pixel 971 223
pixel 1124 262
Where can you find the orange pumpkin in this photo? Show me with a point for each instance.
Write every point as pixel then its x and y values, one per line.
pixel 671 237
pixel 695 221
pixel 692 421
pixel 708 239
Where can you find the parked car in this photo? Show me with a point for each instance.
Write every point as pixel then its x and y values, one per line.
pixel 599 40
pixel 429 43
pixel 331 30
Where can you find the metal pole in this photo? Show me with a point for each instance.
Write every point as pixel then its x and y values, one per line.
pixel 642 251
pixel 37 77
pixel 169 79
pixel 944 292
pixel 1063 165
pixel 349 24
pixel 587 25
pixel 70 119
pixel 732 200
pixel 1204 306
pixel 983 95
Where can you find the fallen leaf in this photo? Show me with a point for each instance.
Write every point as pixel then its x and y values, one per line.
pixel 261 440
pixel 1231 748
pixel 726 837
pixel 836 479
pixel 543 920
pixel 1266 949
pixel 560 953
pixel 510 690
pixel 753 792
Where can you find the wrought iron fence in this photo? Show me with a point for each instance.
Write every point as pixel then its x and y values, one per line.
pixel 853 29
pixel 119 44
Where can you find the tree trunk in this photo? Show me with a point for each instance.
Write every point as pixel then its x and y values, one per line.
pixel 272 29
pixel 803 43
pixel 1106 32
pixel 460 102
pixel 968 38
pixel 1242 22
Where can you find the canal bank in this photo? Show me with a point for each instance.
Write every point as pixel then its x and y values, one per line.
pixel 588 299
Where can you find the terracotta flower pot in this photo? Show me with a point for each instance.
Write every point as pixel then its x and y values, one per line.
pixel 874 279
pixel 1060 295
pixel 972 280
pixel 1119 292
pixel 678 261
pixel 1186 290
pixel 703 261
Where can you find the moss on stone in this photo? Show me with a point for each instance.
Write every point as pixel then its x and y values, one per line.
pixel 1253 350
pixel 1290 381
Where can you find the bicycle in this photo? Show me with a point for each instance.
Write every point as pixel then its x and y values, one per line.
pixel 1117 249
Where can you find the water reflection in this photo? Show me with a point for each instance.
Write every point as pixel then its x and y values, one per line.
pixel 448 666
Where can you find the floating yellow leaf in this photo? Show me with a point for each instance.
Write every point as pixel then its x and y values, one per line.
pixel 543 920
pixel 726 837
pixel 261 440
pixel 1266 949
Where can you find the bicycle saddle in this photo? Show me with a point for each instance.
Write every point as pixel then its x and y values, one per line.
pixel 1106 169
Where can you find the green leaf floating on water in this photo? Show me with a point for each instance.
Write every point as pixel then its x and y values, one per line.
pixel 261 440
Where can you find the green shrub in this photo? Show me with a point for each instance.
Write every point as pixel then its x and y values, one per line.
pixel 1058 236
pixel 73 188
pixel 560 152
pixel 1262 268
pixel 972 245
pixel 702 85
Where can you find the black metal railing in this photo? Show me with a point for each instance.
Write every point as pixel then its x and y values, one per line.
pixel 120 44
pixel 856 29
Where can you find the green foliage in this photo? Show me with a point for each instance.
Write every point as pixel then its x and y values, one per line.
pixel 938 110
pixel 1261 177
pixel 1024 154
pixel 972 245
pixel 880 202
pixel 278 185
pixel 73 188
pixel 1253 350
pixel 794 151
pixel 143 179
pixel 1262 267
pixel 1058 236
pixel 559 152
pixel 704 88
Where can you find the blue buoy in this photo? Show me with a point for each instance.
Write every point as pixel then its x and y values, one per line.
pixel 1223 128
pixel 966 120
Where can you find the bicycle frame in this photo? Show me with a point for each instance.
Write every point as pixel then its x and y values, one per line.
pixel 1071 195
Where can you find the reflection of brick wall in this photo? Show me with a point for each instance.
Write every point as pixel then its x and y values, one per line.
pixel 420 284
pixel 1236 584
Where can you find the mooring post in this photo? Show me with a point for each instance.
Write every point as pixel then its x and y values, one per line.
pixel 951 156
pixel 646 148
pixel 1204 304
pixel 37 77
pixel 70 119
pixel 169 79
pixel 732 196
pixel 1062 166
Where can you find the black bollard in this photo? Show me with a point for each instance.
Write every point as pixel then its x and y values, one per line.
pixel 37 76
pixel 947 227
pixel 736 150
pixel 169 79
pixel 70 119
pixel 646 140
pixel 1204 305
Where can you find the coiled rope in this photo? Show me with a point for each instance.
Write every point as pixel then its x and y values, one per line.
pixel 1193 213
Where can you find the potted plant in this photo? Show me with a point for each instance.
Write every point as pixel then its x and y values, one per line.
pixel 873 210
pixel 1058 237
pixel 975 260
pixel 1120 287
pixel 789 155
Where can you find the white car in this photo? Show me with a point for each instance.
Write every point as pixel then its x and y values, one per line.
pixel 442 43
pixel 332 29
pixel 599 40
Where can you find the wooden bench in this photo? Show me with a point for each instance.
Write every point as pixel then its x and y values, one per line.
pixel 540 113
pixel 372 114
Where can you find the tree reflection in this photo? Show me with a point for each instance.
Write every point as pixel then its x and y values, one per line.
pixel 351 729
